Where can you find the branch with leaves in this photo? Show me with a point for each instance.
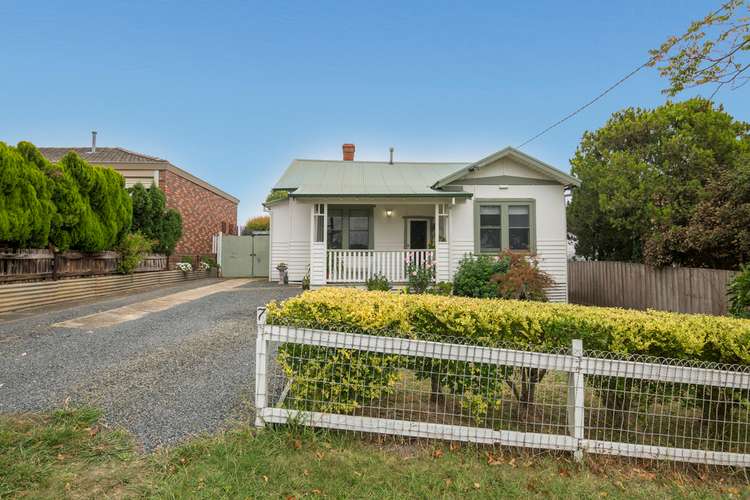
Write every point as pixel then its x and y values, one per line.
pixel 714 50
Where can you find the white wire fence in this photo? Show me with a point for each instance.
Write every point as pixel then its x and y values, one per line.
pixel 564 399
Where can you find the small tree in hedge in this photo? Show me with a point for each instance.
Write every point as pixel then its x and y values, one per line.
pixel 132 249
pixel 154 220
pixel 105 216
pixel 26 207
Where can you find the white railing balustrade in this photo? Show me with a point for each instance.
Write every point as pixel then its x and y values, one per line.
pixel 357 266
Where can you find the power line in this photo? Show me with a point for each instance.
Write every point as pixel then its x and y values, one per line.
pixel 592 101
pixel 613 86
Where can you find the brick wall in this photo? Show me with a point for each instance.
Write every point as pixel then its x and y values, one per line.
pixel 204 213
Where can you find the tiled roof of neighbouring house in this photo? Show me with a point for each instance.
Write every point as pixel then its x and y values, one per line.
pixel 104 155
pixel 123 159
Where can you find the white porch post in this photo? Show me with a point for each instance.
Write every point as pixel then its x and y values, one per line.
pixel 442 248
pixel 437 224
pixel 318 249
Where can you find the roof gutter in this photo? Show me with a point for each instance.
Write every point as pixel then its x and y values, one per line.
pixel 463 194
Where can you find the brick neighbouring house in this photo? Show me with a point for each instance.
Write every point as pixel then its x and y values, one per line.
pixel 205 209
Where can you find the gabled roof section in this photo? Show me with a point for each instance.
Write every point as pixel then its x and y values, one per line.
pixel 519 156
pixel 309 178
pixel 104 155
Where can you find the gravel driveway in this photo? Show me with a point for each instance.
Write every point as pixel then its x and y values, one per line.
pixel 166 376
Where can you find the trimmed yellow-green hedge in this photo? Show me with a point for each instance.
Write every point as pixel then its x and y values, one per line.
pixel 340 380
pixel 539 324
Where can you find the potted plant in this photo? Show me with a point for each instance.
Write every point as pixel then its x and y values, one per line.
pixel 281 268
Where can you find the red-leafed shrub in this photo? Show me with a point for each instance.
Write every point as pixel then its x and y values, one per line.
pixel 523 280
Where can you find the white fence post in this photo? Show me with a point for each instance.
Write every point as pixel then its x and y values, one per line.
pixel 575 399
pixel 261 345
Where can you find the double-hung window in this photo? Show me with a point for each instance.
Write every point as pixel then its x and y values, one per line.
pixel 504 225
pixel 349 228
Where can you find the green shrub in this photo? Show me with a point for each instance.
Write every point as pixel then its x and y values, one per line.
pixel 26 208
pixel 540 325
pixel 70 205
pixel 106 212
pixel 277 195
pixel 523 280
pixel 739 293
pixel 132 249
pixel 210 261
pixel 378 282
pixel 154 220
pixel 419 275
pixel 473 276
pixel 441 288
pixel 258 223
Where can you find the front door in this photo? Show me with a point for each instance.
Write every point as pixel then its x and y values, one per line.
pixel 418 234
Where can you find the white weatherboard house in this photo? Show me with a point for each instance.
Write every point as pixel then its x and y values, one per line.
pixel 347 220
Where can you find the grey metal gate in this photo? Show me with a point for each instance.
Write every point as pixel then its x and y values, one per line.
pixel 244 256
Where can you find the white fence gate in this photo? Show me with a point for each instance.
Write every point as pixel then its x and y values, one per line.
pixel 584 380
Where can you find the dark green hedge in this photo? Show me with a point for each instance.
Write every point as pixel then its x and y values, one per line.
pixel 69 205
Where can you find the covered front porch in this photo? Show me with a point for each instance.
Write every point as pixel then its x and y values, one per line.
pixel 354 240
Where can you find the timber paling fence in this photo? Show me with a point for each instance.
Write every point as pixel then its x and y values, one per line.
pixel 566 399
pixel 638 286
pixel 43 264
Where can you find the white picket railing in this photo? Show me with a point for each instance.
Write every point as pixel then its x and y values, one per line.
pixel 357 266
pixel 574 437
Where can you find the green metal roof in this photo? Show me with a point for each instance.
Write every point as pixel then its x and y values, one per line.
pixel 308 178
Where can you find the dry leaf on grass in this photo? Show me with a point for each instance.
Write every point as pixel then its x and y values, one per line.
pixel 437 453
pixel 297 444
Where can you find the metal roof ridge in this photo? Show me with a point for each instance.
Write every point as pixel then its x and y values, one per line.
pixel 385 162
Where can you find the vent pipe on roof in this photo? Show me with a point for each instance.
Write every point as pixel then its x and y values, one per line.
pixel 93 141
pixel 348 152
pixel 390 151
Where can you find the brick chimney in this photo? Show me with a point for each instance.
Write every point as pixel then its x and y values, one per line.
pixel 348 152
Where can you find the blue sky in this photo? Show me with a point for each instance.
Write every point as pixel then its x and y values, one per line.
pixel 233 91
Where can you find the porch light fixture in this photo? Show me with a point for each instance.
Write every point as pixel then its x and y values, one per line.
pixel 388 212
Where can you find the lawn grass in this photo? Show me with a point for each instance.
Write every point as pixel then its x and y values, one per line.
pixel 69 454
pixel 64 453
